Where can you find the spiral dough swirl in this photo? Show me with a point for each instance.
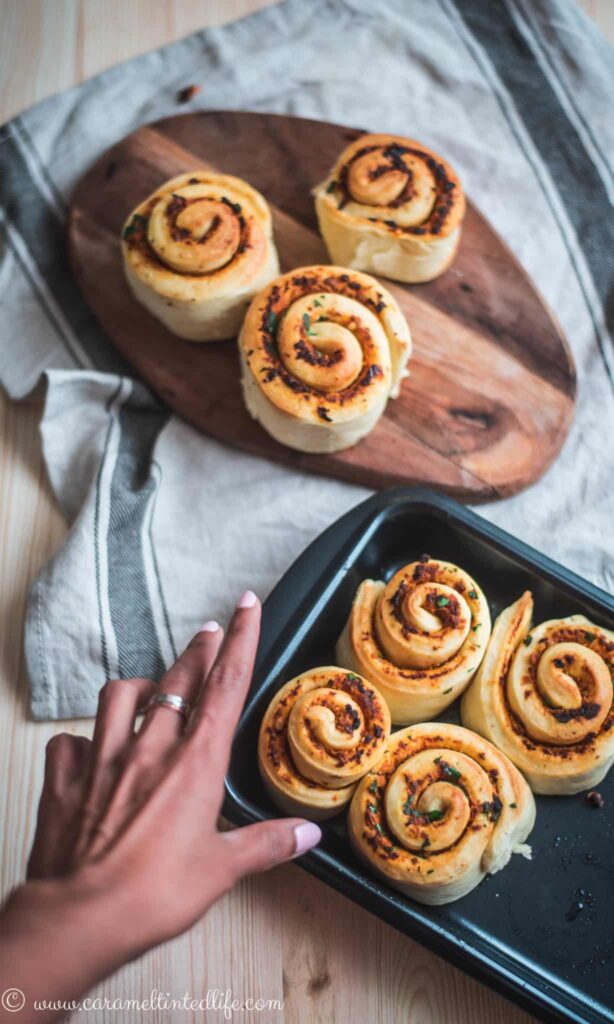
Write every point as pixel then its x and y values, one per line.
pixel 322 350
pixel 544 696
pixel 441 809
pixel 392 206
pixel 197 249
pixel 398 182
pixel 420 637
pixel 320 734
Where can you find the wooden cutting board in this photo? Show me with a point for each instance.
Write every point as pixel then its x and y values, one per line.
pixel 491 392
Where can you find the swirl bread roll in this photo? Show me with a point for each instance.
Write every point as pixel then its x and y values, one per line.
pixel 320 734
pixel 543 695
pixel 440 810
pixel 419 638
pixel 197 250
pixel 393 207
pixel 322 351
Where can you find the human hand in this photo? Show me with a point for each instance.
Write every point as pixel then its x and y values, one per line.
pixel 133 813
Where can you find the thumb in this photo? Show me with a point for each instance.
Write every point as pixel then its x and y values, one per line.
pixel 260 847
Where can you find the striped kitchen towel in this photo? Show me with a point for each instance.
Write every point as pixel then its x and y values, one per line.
pixel 167 527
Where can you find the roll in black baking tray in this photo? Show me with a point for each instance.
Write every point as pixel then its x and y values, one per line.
pixel 520 931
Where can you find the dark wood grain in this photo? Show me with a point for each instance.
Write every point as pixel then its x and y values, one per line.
pixel 491 392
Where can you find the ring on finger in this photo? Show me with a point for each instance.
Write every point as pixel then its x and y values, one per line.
pixel 169 700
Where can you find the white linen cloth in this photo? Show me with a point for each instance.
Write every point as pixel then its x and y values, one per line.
pixel 168 527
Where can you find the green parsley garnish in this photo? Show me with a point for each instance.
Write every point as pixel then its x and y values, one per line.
pixel 434 815
pixel 272 322
pixel 332 185
pixel 527 640
pixel 431 871
pixel 407 806
pixel 372 808
pixel 378 828
pixel 447 769
pixel 475 628
pixel 317 302
pixel 373 786
pixel 442 602
pixel 307 323
pixel 449 690
pixel 473 593
pixel 513 805
pixel 589 637
pixel 135 224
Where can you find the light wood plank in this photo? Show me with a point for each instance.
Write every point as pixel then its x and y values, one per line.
pixel 280 936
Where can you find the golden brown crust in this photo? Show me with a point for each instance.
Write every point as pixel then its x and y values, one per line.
pixel 200 244
pixel 544 695
pixel 441 809
pixel 391 206
pixel 400 184
pixel 321 732
pixel 324 343
pixel 419 638
pixel 322 348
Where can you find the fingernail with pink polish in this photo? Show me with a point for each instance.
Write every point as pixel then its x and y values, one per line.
pixel 306 836
pixel 210 627
pixel 248 600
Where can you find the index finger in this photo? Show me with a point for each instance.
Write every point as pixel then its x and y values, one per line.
pixel 217 713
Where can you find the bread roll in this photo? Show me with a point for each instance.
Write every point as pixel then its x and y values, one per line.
pixel 391 206
pixel 441 809
pixel 543 695
pixel 320 734
pixel 419 638
pixel 322 351
pixel 197 250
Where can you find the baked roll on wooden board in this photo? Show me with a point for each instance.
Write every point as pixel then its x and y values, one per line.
pixel 197 250
pixel 440 810
pixel 322 350
pixel 391 206
pixel 320 733
pixel 457 425
pixel 419 638
pixel 543 695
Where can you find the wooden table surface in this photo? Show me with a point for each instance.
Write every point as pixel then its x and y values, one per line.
pixel 283 936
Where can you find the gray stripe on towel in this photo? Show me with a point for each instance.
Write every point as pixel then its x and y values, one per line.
pixel 560 148
pixel 133 488
pixel 42 232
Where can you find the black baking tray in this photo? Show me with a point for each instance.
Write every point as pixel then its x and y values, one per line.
pixel 517 931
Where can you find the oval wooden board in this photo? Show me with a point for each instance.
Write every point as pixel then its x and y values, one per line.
pixel 491 392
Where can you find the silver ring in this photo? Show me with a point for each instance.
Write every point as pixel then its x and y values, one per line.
pixel 169 700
